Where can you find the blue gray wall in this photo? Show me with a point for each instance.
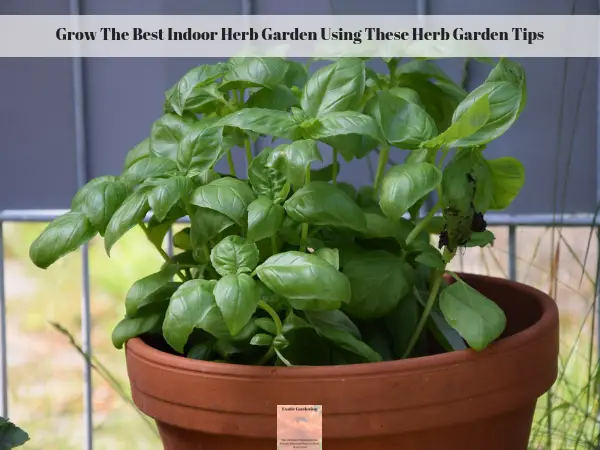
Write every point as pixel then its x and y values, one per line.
pixel 124 96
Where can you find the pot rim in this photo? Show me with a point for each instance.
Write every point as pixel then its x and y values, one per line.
pixel 541 328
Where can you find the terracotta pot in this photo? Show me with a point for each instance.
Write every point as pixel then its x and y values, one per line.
pixel 462 400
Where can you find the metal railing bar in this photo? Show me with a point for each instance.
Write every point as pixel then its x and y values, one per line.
pixel 3 333
pixel 170 249
pixel 512 252
pixel 82 178
pixel 527 220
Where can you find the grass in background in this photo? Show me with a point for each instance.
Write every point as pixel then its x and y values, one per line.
pixel 45 369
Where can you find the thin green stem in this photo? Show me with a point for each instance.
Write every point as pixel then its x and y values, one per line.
pixel 248 149
pixel 266 357
pixel 435 288
pixel 228 105
pixel 266 307
pixel 334 169
pixel 160 250
pixel 384 154
pixel 304 235
pixel 231 164
pixel 274 246
pixel 423 223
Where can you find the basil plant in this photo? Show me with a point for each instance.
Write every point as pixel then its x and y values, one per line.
pixel 284 264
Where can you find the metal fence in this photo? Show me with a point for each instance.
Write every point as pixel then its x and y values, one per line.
pixel 511 221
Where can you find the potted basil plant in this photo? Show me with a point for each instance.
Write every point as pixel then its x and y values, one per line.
pixel 292 287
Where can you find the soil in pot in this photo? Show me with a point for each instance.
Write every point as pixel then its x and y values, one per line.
pixel 463 400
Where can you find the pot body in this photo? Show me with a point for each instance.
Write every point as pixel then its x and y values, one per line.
pixel 464 400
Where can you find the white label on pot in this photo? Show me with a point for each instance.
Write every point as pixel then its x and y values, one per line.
pixel 299 427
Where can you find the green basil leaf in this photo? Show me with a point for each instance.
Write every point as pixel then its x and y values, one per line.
pixel 332 319
pixel 307 281
pixel 504 99
pixel 296 75
pixel 331 255
pixel 342 123
pixel 254 71
pixel 264 219
pixel 11 436
pixel 192 306
pixel 481 239
pixel 261 339
pixel 405 125
pixel 99 200
pixel 444 334
pixel 147 168
pixel 473 118
pixel 325 173
pixel 294 159
pixel 408 95
pixel 206 224
pixel 137 153
pixel 155 287
pixel 130 213
pixel 402 322
pixel 131 327
pixel 278 98
pixel 336 87
pixel 202 351
pixel 63 235
pixel 511 71
pixel 266 324
pixel 228 196
pixel 346 340
pixel 477 319
pixel 190 92
pixel 267 181
pixel 201 148
pixel 431 257
pixel 237 298
pixel 508 178
pixel 263 121
pixel 167 193
pixel 321 203
pixel 378 281
pixel 167 133
pixel 234 255
pixel 381 227
pixel 404 185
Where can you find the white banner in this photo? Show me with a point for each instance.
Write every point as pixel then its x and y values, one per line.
pixel 299 36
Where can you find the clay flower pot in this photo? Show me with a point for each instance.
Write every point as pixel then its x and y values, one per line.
pixel 463 400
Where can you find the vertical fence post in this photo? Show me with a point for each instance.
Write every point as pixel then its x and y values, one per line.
pixel 512 252
pixel 3 355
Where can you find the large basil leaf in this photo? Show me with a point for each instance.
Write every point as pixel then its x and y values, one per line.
pixel 192 306
pixel 237 298
pixel 99 200
pixel 378 281
pixel 334 319
pixel 321 203
pixel 512 71
pixel 346 340
pixel 201 148
pixel 193 90
pixel 11 436
pixel 166 134
pixel 404 124
pixel 131 212
pixel 131 327
pixel 167 193
pixel 228 196
pixel 464 126
pixel 296 75
pixel 279 98
pixel 263 121
pixel 336 87
pixel 402 323
pixel 62 236
pixel 206 225
pixel 148 168
pixel 307 281
pixel 156 287
pixel 294 159
pixel 342 123
pixel 404 185
pixel 255 71
pixel 477 319
pixel 508 177
pixel 140 151
pixel 264 218
pixel 267 181
pixel 504 99
pixel 234 255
